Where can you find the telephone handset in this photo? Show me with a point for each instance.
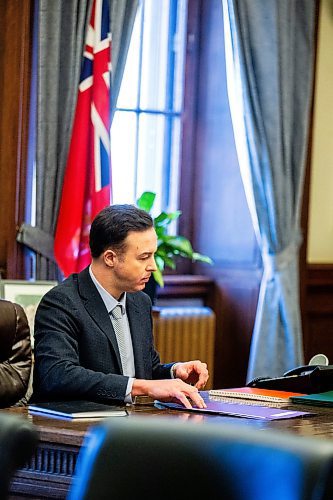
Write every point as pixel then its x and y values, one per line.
pixel 305 379
pixel 300 370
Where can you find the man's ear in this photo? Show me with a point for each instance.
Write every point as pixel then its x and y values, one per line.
pixel 109 258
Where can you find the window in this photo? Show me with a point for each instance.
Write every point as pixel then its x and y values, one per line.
pixel 146 129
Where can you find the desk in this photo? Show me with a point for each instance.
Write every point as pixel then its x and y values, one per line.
pixel 49 473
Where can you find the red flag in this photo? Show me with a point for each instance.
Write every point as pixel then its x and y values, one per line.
pixel 87 185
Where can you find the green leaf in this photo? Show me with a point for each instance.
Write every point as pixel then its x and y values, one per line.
pixel 161 221
pixel 159 262
pixel 164 257
pixel 146 201
pixel 167 259
pixel 169 247
pixel 202 258
pixel 180 244
pixel 165 218
pixel 158 277
pixel 160 231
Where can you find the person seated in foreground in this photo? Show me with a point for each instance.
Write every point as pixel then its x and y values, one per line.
pixel 15 354
pixel 93 332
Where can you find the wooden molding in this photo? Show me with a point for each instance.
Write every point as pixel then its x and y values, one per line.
pixel 187 286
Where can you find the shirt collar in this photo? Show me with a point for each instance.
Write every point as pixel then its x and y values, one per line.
pixel 109 301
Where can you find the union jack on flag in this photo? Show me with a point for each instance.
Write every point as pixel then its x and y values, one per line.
pixel 87 184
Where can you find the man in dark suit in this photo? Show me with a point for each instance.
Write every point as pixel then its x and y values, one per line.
pixel 93 332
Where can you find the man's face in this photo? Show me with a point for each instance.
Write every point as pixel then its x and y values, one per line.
pixel 132 267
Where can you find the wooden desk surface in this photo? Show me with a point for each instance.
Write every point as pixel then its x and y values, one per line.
pixel 50 472
pixel 319 425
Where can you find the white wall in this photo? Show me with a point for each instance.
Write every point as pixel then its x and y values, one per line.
pixel 320 238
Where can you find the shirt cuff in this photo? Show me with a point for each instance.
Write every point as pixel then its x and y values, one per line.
pixel 128 396
pixel 172 370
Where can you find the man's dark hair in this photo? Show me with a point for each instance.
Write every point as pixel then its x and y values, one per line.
pixel 112 225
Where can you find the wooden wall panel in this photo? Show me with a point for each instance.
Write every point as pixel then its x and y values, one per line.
pixel 235 303
pixel 319 311
pixel 15 36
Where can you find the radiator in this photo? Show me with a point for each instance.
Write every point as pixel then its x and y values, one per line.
pixel 184 334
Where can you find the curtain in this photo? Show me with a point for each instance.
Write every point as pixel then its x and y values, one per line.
pixel 61 30
pixel 270 58
pixel 61 34
pixel 122 21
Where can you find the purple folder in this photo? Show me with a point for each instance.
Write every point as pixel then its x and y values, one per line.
pixel 238 410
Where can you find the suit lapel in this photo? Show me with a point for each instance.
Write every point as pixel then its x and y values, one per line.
pixel 96 309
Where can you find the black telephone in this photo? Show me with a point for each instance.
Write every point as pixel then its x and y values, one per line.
pixel 308 379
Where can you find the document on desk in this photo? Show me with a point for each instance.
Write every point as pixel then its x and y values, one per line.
pixel 237 410
pixel 71 410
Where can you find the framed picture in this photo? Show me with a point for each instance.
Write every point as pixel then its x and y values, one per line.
pixel 27 294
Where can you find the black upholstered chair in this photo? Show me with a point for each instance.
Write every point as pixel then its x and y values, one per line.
pixel 15 353
pixel 151 457
pixel 18 440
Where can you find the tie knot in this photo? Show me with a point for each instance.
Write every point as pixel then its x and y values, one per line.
pixel 117 312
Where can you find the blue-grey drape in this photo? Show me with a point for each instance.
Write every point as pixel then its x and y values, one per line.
pixel 61 32
pixel 270 58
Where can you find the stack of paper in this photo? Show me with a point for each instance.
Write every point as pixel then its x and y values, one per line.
pixel 255 393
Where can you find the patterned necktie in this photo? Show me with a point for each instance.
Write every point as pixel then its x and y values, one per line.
pixel 119 331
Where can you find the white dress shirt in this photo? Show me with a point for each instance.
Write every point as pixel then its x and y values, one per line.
pixel 128 363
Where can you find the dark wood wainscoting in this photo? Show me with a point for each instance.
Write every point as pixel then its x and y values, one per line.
pixel 319 311
pixel 236 297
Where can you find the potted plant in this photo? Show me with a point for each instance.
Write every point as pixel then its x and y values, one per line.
pixel 169 247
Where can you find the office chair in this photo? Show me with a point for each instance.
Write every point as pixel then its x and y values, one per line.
pixel 15 353
pixel 148 457
pixel 18 440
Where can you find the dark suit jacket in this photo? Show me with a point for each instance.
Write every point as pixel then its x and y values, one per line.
pixel 76 352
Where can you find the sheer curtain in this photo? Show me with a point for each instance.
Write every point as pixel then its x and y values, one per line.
pixel 270 57
pixel 61 33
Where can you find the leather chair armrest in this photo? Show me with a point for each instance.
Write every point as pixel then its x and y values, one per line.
pixel 15 371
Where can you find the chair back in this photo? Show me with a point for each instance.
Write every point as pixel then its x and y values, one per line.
pixel 15 353
pixel 148 457
pixel 18 440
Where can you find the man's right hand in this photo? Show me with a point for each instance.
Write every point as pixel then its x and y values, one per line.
pixel 169 390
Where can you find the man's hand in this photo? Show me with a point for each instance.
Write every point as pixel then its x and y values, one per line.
pixel 170 390
pixel 192 372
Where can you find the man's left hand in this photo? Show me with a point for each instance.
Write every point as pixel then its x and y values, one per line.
pixel 192 372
